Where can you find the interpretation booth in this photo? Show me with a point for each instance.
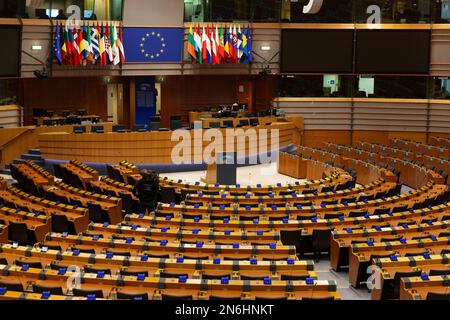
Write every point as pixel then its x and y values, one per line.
pixel 225 150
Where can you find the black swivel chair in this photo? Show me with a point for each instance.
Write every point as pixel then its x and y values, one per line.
pixel 79 129
pixel 175 123
pixel 132 296
pixel 177 298
pixel 18 232
pixel 98 129
pixel 53 290
pixel 244 123
pixel 168 195
pixel 228 124
pixel 321 241
pixel 155 124
pixel 119 128
pixel 393 287
pixel 140 128
pixel 12 286
pixel 214 125
pixel 60 224
pixel 438 296
pixel 291 238
pixel 86 293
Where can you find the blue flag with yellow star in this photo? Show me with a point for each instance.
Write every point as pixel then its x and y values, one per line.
pixel 153 44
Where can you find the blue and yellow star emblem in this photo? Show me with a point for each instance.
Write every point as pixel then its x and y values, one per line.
pixel 152 45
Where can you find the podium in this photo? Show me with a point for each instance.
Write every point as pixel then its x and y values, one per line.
pixel 224 171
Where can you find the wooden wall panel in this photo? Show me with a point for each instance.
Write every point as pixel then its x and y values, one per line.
pixel 383 137
pixel 320 113
pixel 314 138
pixel 60 94
pixel 440 46
pixel 10 116
pixel 390 114
pixel 181 94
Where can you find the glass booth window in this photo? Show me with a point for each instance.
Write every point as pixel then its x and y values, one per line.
pixel 315 86
pixel 440 88
pixel 402 87
pixel 396 11
pixel 8 92
pixel 442 11
pixel 232 10
pixel 57 9
pixel 332 11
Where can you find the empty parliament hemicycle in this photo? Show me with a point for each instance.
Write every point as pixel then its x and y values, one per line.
pixel 248 151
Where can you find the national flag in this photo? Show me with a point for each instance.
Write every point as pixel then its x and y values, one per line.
pixel 208 46
pixel 116 47
pixel 121 46
pixel 249 45
pixel 190 45
pixel 109 57
pixel 239 44
pixel 226 45
pixel 112 44
pixel 217 43
pixel 64 50
pixel 68 42
pixel 73 36
pixel 213 46
pixel 198 45
pixel 90 56
pixel 57 44
pixel 232 46
pixel 235 44
pixel 95 38
pixel 83 43
pixel 102 46
pixel 204 47
pixel 244 58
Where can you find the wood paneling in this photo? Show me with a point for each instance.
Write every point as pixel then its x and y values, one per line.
pixel 58 94
pixel 152 147
pixel 317 137
pixel 314 138
pixel 17 141
pixel 181 94
pixel 10 116
pixel 383 137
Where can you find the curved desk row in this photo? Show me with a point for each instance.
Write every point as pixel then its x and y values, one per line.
pixel 155 147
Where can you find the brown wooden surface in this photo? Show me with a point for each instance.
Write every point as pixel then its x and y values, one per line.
pixel 17 141
pixel 145 148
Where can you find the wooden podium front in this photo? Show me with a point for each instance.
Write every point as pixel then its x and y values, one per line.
pixel 211 174
pixel 292 165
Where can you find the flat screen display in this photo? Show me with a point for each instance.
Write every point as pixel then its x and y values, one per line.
pixel 9 53
pixel 317 51
pixel 393 51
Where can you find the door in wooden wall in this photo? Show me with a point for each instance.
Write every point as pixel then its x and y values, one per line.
pixel 115 99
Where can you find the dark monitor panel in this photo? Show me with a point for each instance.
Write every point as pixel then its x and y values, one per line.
pixel 10 51
pixel 393 51
pixel 317 51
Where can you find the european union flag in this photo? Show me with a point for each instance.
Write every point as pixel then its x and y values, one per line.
pixel 153 44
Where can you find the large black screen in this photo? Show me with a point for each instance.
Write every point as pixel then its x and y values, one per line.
pixel 393 51
pixel 317 51
pixel 9 53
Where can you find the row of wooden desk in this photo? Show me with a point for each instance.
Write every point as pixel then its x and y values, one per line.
pixel 158 147
pixel 439 163
pixel 416 147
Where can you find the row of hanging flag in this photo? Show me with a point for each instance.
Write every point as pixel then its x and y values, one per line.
pixel 212 45
pixel 99 44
